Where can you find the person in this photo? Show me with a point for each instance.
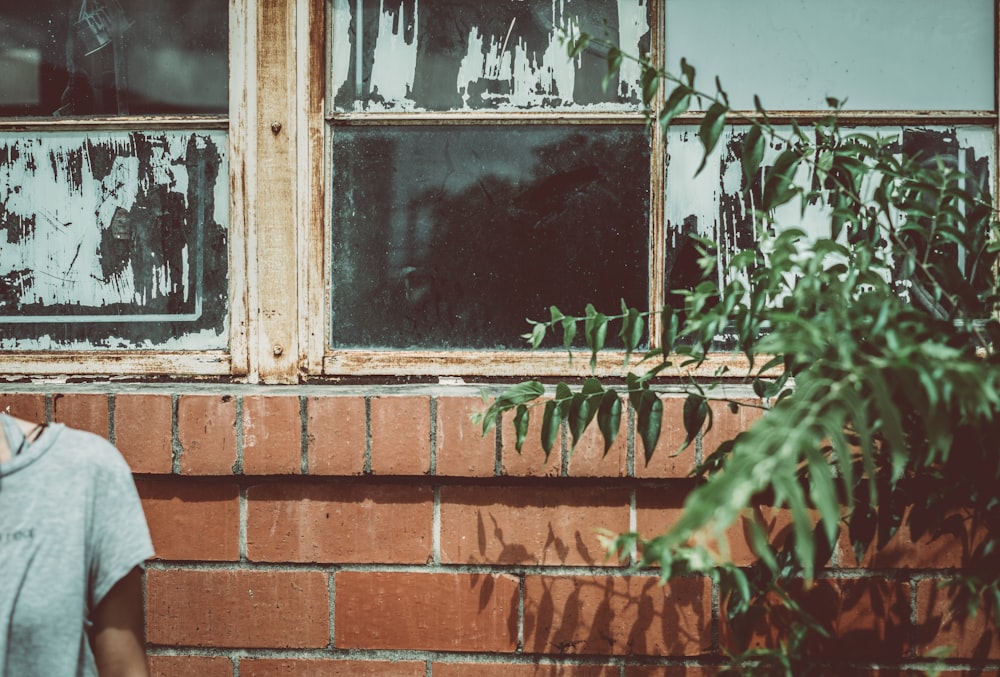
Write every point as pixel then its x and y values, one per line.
pixel 73 539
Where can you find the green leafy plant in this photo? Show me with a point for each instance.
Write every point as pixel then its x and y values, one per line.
pixel 872 350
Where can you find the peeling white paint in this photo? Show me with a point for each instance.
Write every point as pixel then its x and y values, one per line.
pixel 395 63
pixel 64 196
pixel 498 68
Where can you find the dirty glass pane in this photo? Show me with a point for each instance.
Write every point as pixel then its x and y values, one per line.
pixel 715 205
pixel 113 240
pixel 113 57
pixel 884 55
pixel 448 237
pixel 471 54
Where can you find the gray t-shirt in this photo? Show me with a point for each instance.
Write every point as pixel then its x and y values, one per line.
pixel 71 526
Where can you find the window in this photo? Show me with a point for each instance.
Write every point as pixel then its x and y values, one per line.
pixel 286 188
pixel 114 177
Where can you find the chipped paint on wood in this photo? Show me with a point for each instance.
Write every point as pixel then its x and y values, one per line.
pixel 113 240
pixel 408 55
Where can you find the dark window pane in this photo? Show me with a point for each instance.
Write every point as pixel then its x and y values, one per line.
pixel 113 240
pixel 113 57
pixel 451 236
pixel 470 54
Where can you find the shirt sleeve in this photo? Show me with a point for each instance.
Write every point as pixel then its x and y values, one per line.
pixel 119 533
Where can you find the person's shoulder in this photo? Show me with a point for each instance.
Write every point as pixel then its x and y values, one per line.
pixel 90 450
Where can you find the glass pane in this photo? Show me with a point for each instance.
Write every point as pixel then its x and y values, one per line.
pixel 113 240
pixel 470 54
pixel 113 57
pixel 450 237
pixel 715 205
pixel 885 55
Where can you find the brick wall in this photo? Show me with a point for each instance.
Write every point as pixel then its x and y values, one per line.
pixel 328 530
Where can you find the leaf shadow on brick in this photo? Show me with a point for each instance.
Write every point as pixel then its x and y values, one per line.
pixel 866 619
pixel 616 615
pixel 951 619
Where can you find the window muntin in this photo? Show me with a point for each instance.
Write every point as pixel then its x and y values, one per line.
pixel 113 57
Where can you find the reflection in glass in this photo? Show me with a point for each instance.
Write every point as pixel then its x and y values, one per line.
pixel 113 57
pixel 470 54
pixel 448 237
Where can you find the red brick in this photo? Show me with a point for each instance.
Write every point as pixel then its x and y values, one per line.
pixel 340 523
pixel 238 608
pixel 867 619
pixel 462 449
pixel 621 616
pixel 588 458
pixel 192 521
pixel 523 670
pixel 401 435
pixel 336 432
pixel 529 525
pixel 144 431
pixel 84 411
pixel 190 666
pixel 531 461
pixel 272 435
pixel 426 611
pixel 665 461
pixel 658 508
pixel 727 425
pixel 27 406
pixel 938 625
pixel 950 547
pixel 302 667
pixel 206 428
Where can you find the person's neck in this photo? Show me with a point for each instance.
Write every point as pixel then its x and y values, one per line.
pixel 27 429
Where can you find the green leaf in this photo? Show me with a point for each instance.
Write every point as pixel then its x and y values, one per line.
pixel 575 47
pixel 695 413
pixel 537 334
pixel 677 103
pixel 579 416
pixel 778 180
pixel 596 331
pixel 551 420
pixel 710 130
pixel 753 154
pixel 633 328
pixel 521 419
pixel 609 418
pixel 564 399
pixel 823 492
pixel 614 59
pixel 569 331
pixel 649 421
pixel 521 393
pixel 650 84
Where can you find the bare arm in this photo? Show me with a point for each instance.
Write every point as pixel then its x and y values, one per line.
pixel 118 634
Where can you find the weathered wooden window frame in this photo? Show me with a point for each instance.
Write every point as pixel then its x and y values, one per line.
pixel 360 362
pixel 280 232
